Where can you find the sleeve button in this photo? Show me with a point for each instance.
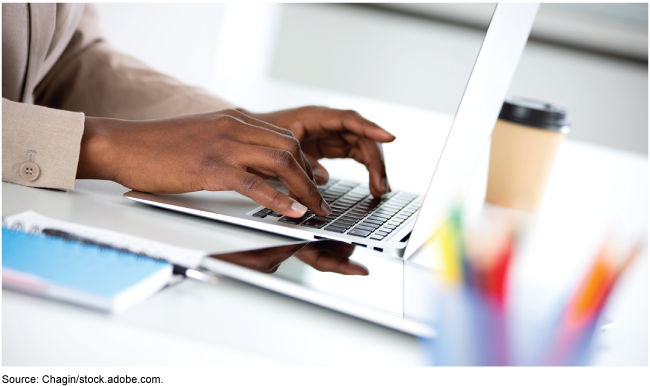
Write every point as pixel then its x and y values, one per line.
pixel 29 171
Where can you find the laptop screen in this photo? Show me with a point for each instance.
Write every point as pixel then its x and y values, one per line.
pixel 468 137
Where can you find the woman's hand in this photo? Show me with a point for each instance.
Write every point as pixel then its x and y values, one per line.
pixel 331 133
pixel 223 150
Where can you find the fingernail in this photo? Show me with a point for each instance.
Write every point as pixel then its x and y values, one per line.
pixel 325 208
pixel 394 137
pixel 384 184
pixel 361 271
pixel 298 209
pixel 320 176
pixel 356 269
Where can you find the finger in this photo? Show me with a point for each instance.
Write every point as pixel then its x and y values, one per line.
pixel 287 141
pixel 256 188
pixel 331 264
pixel 373 158
pixel 277 140
pixel 267 260
pixel 335 120
pixel 363 150
pixel 282 164
pixel 321 176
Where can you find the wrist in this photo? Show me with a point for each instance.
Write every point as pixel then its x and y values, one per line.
pixel 97 154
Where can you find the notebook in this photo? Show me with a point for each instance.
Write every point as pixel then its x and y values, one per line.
pixel 34 222
pixel 85 275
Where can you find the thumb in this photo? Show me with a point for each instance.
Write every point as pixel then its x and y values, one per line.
pixel 321 176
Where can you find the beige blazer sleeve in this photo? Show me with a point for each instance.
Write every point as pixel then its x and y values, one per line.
pixel 40 143
pixel 40 146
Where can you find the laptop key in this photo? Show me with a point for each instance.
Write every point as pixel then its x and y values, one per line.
pixel 259 214
pixel 378 238
pixel 360 233
pixel 292 220
pixel 335 229
pixel 314 222
pixel 358 212
pixel 320 218
pixel 351 217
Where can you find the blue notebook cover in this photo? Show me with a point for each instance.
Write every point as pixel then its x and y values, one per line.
pixel 83 274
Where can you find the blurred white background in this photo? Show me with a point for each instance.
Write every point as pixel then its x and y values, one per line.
pixel 590 58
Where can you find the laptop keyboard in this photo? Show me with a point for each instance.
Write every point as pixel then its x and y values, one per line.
pixel 355 212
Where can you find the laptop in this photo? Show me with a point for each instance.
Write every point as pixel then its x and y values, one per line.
pixel 397 223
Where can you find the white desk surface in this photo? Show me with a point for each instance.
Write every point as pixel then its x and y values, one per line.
pixel 592 190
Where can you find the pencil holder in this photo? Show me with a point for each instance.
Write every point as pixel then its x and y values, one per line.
pixel 471 332
pixel 481 323
pixel 475 330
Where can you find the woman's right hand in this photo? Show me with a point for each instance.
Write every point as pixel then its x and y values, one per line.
pixel 223 150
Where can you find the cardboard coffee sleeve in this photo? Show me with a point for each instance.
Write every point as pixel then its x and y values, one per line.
pixel 525 142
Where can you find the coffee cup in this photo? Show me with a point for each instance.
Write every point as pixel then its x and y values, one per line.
pixel 525 142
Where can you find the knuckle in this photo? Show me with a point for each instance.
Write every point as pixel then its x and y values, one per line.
pixel 228 120
pixel 350 114
pixel 377 165
pixel 251 182
pixel 286 132
pixel 283 159
pixel 277 199
pixel 232 112
pixel 294 145
pixel 313 190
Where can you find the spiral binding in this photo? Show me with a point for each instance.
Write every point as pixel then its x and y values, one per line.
pixel 178 271
pixel 19 226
